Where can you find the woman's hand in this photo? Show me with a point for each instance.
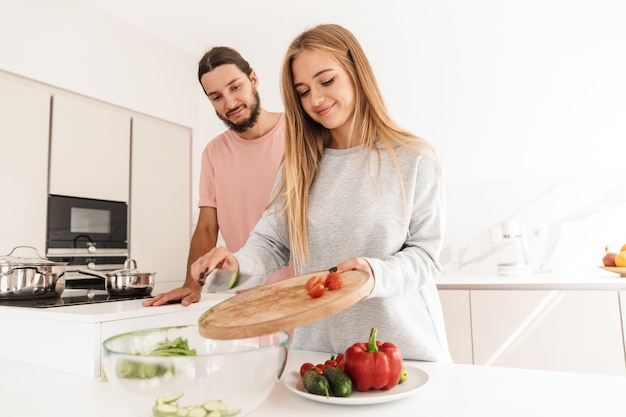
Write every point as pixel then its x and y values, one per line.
pixel 356 263
pixel 218 257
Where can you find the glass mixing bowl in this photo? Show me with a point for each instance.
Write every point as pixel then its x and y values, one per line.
pixel 225 378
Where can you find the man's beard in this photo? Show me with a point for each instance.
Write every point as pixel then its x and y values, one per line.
pixel 255 110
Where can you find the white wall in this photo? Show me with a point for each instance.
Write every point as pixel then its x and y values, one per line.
pixel 525 100
pixel 78 48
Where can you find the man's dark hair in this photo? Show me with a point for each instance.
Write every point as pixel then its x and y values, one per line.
pixel 221 55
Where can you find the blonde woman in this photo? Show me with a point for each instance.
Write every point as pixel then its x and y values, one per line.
pixel 355 191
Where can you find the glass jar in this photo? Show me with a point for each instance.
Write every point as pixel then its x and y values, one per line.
pixel 512 251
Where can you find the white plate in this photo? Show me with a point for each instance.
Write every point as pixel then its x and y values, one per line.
pixel 417 379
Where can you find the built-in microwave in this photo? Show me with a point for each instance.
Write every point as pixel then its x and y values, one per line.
pixel 86 231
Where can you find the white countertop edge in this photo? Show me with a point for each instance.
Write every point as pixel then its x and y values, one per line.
pixel 453 389
pixel 585 280
pixel 108 311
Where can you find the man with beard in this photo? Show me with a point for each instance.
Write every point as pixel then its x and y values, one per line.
pixel 237 167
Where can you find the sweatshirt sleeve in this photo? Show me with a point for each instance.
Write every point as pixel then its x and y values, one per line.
pixel 417 262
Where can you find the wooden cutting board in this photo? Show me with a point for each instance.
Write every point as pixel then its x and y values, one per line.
pixel 280 305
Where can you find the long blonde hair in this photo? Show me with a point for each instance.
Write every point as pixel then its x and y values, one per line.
pixel 305 139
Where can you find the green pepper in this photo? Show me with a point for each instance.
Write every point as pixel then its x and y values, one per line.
pixel 373 365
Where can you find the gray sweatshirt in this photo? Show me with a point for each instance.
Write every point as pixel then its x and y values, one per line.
pixel 356 209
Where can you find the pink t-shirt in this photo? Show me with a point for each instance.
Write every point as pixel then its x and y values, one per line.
pixel 236 177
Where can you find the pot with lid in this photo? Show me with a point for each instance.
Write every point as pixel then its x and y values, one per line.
pixel 126 281
pixel 30 277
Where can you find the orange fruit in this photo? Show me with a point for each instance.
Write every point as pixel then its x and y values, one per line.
pixel 620 259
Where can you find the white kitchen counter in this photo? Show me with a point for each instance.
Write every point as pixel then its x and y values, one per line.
pixel 108 311
pixel 33 332
pixel 590 279
pixel 453 390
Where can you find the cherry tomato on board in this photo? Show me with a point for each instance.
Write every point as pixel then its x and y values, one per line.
pixel 333 281
pixel 335 284
pixel 315 286
pixel 313 281
pixel 316 291
pixel 332 276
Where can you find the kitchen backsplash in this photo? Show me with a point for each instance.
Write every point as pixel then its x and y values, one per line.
pixel 566 222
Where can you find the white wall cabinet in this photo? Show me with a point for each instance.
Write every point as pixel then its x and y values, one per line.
pixel 160 202
pixel 56 142
pixel 24 132
pixel 456 313
pixel 562 330
pixel 90 149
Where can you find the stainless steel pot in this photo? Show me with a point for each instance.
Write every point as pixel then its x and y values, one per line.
pixel 126 281
pixel 30 277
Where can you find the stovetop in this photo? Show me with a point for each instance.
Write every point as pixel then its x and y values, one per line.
pixel 70 297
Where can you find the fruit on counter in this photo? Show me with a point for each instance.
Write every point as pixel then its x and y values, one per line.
pixel 609 257
pixel 620 259
pixel 373 364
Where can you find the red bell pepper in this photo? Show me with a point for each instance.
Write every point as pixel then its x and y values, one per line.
pixel 373 365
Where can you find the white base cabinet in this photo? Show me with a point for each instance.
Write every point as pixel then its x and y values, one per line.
pixel 456 307
pixel 70 338
pixel 559 330
pixel 622 302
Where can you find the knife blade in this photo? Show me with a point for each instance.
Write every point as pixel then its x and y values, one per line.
pixel 224 280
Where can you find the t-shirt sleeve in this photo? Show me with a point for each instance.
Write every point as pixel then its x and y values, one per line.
pixel 207 179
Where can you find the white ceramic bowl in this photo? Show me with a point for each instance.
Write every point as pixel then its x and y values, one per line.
pixel 240 373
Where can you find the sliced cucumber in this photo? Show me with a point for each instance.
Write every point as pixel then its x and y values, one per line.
pixel 214 405
pixel 197 412
pixel 183 412
pixel 205 315
pixel 168 407
pixel 170 399
pixel 165 410
pixel 234 280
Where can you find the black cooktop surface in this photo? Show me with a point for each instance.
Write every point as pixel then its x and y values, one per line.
pixel 70 297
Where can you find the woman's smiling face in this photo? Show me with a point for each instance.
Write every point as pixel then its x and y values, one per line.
pixel 326 91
